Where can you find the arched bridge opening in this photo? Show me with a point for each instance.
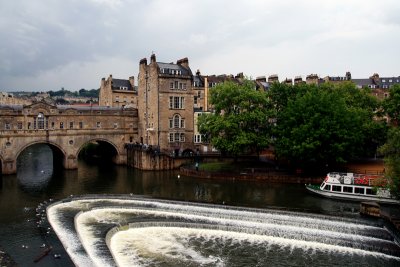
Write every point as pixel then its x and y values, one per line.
pixel 98 152
pixel 36 163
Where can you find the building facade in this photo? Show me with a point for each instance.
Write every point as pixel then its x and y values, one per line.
pixel 165 105
pixel 118 92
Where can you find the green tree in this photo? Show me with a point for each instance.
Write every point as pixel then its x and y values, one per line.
pixel 240 121
pixel 391 151
pixel 391 104
pixel 319 127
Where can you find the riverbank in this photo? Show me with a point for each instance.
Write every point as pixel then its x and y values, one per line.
pixel 252 174
pixel 6 260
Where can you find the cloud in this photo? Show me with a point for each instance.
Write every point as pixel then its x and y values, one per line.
pixel 61 40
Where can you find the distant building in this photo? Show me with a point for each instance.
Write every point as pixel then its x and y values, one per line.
pixel 118 92
pixel 10 99
pixel 338 79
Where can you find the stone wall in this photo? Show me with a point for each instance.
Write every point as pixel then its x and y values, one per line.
pixel 149 159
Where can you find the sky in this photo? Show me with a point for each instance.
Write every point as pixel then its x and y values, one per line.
pixel 72 44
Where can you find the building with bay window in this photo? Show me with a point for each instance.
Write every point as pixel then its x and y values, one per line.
pixel 165 105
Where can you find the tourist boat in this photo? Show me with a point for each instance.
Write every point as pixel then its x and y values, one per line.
pixel 351 186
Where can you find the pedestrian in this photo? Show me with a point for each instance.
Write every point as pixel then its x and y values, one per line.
pixel 197 166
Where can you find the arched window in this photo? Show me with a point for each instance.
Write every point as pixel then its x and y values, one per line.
pixel 40 121
pixel 177 121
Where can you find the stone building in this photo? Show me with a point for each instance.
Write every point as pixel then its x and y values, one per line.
pixel 165 105
pixel 67 129
pixel 10 99
pixel 118 92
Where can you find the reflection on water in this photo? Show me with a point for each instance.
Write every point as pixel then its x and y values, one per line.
pixel 35 175
pixel 20 195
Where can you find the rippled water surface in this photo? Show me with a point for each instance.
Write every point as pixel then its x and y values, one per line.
pixel 182 240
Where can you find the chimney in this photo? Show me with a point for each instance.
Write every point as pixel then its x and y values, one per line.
pixel 261 79
pixel 152 58
pixel 348 76
pixel 184 62
pixel 143 61
pixel 132 81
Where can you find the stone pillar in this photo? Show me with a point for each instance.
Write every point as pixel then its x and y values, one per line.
pixel 9 166
pixel 70 162
pixel 120 159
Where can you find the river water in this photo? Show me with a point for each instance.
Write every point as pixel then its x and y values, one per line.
pixel 177 220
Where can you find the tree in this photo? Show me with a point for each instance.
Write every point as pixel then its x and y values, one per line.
pixel 391 104
pixel 319 127
pixel 240 121
pixel 391 151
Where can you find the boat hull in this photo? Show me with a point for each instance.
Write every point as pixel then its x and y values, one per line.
pixel 351 197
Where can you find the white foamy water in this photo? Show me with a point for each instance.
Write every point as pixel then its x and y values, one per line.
pixel 166 233
pixel 140 246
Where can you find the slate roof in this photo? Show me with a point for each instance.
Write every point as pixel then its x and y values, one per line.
pixel 362 82
pixel 389 81
pixel 118 83
pixel 172 66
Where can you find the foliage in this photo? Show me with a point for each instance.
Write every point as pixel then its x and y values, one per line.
pixel 240 121
pixel 82 92
pixel 391 104
pixel 391 151
pixel 324 125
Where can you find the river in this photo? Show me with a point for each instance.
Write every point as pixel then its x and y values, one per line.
pixel 37 183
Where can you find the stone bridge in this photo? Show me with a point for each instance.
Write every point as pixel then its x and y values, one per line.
pixel 66 129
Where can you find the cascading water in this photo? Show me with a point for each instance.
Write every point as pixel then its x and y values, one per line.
pixel 135 231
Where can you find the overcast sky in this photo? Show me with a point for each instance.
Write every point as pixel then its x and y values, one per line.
pixel 46 44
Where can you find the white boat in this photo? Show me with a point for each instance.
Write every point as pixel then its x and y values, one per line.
pixel 351 186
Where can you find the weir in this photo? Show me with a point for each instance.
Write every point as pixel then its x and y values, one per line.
pixel 131 231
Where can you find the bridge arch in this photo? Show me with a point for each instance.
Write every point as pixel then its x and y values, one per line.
pixel 59 154
pixel 106 149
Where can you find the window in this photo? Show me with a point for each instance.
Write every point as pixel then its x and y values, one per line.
pixel 369 191
pixel 176 85
pixel 29 125
pixel 7 126
pixel 336 188
pixel 80 125
pixel 61 125
pixel 327 187
pixel 115 125
pixel 40 121
pixel 359 190
pixel 197 138
pixel 177 120
pixel 52 124
pixel 117 99
pixel 19 125
pixel 182 86
pixel 71 125
pixel 195 100
pixel 98 124
pixel 176 137
pixel 176 102
pixel 171 85
pixel 348 189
